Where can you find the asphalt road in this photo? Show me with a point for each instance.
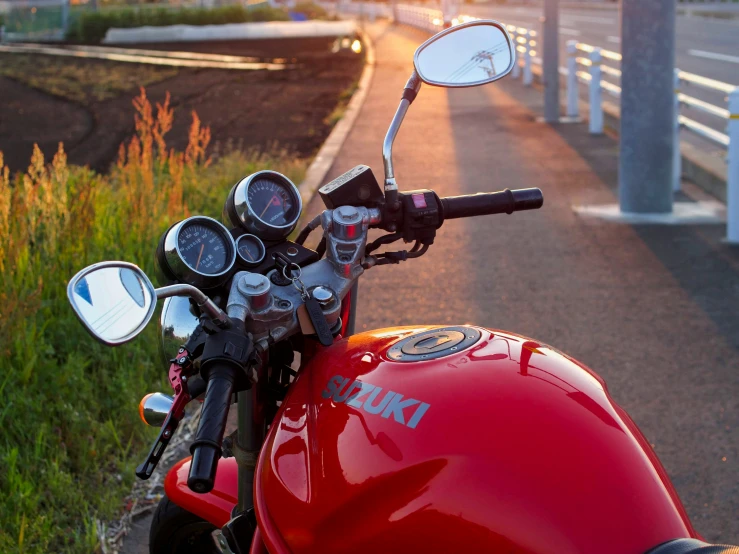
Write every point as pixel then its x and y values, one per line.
pixel 706 47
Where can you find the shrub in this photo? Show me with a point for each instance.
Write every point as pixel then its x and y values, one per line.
pixel 90 27
pixel 71 436
pixel 310 10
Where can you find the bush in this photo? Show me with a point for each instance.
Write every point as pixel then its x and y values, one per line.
pixel 71 436
pixel 90 27
pixel 311 10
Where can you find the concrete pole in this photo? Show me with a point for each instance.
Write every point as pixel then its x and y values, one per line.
pixel 647 106
pixel 550 60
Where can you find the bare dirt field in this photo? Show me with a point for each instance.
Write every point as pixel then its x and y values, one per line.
pixel 86 103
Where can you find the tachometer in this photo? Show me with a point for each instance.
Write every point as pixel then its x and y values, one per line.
pixel 199 251
pixel 266 203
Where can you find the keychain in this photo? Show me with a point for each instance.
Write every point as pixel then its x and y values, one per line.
pixel 310 315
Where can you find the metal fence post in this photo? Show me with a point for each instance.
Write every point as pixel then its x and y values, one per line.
pixel 573 104
pixel 677 156
pixel 516 68
pixel 596 93
pixel 732 174
pixel 528 76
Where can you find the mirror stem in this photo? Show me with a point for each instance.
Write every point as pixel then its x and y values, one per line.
pixel 409 94
pixel 210 308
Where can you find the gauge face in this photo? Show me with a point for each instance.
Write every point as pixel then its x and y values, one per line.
pixel 272 202
pixel 251 249
pixel 203 248
pixel 266 204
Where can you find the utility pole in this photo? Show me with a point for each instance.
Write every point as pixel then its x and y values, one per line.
pixel 647 106
pixel 550 57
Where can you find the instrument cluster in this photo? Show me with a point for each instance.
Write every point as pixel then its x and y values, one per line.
pixel 261 210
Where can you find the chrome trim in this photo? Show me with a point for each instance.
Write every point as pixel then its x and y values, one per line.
pixel 177 323
pixel 204 303
pixel 244 260
pixel 248 217
pixel 445 32
pixel 255 287
pixel 176 262
pixel 123 265
pixel 156 408
pixel 414 82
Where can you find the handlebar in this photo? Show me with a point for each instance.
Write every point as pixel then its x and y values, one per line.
pixel 206 450
pixel 489 203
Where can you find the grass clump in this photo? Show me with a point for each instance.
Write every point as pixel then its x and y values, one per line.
pixel 80 80
pixel 310 10
pixel 90 27
pixel 70 434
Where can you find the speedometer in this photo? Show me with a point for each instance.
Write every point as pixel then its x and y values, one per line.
pixel 202 248
pixel 266 203
pixel 199 251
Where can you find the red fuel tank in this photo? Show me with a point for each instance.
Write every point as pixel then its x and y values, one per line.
pixel 458 439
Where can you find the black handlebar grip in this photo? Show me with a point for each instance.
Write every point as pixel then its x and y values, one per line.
pixel 489 203
pixel 206 449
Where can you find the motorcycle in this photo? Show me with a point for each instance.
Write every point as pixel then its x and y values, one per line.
pixel 411 439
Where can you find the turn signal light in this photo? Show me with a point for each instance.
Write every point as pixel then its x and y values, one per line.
pixel 154 407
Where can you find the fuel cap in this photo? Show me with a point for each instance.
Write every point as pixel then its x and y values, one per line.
pixel 434 344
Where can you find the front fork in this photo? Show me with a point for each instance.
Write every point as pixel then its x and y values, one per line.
pixel 252 426
pixel 252 430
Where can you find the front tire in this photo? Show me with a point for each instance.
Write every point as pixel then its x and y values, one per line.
pixel 177 531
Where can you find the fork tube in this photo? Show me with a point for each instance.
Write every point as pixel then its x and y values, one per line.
pixel 251 436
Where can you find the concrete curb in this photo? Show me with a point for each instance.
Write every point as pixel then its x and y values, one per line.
pixel 327 154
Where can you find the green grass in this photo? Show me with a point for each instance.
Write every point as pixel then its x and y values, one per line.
pixel 90 27
pixel 70 435
pixel 80 80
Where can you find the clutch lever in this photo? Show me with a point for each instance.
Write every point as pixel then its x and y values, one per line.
pixel 181 364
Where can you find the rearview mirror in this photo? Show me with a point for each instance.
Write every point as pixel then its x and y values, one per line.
pixel 471 54
pixel 113 300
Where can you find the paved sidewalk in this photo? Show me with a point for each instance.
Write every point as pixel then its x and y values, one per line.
pixel 654 310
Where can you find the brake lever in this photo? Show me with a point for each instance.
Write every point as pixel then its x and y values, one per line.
pixel 182 363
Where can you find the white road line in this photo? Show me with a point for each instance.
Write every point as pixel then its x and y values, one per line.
pixel 713 56
pixel 614 40
pixel 570 32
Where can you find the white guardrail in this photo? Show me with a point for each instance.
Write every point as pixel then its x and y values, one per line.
pixel 587 64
